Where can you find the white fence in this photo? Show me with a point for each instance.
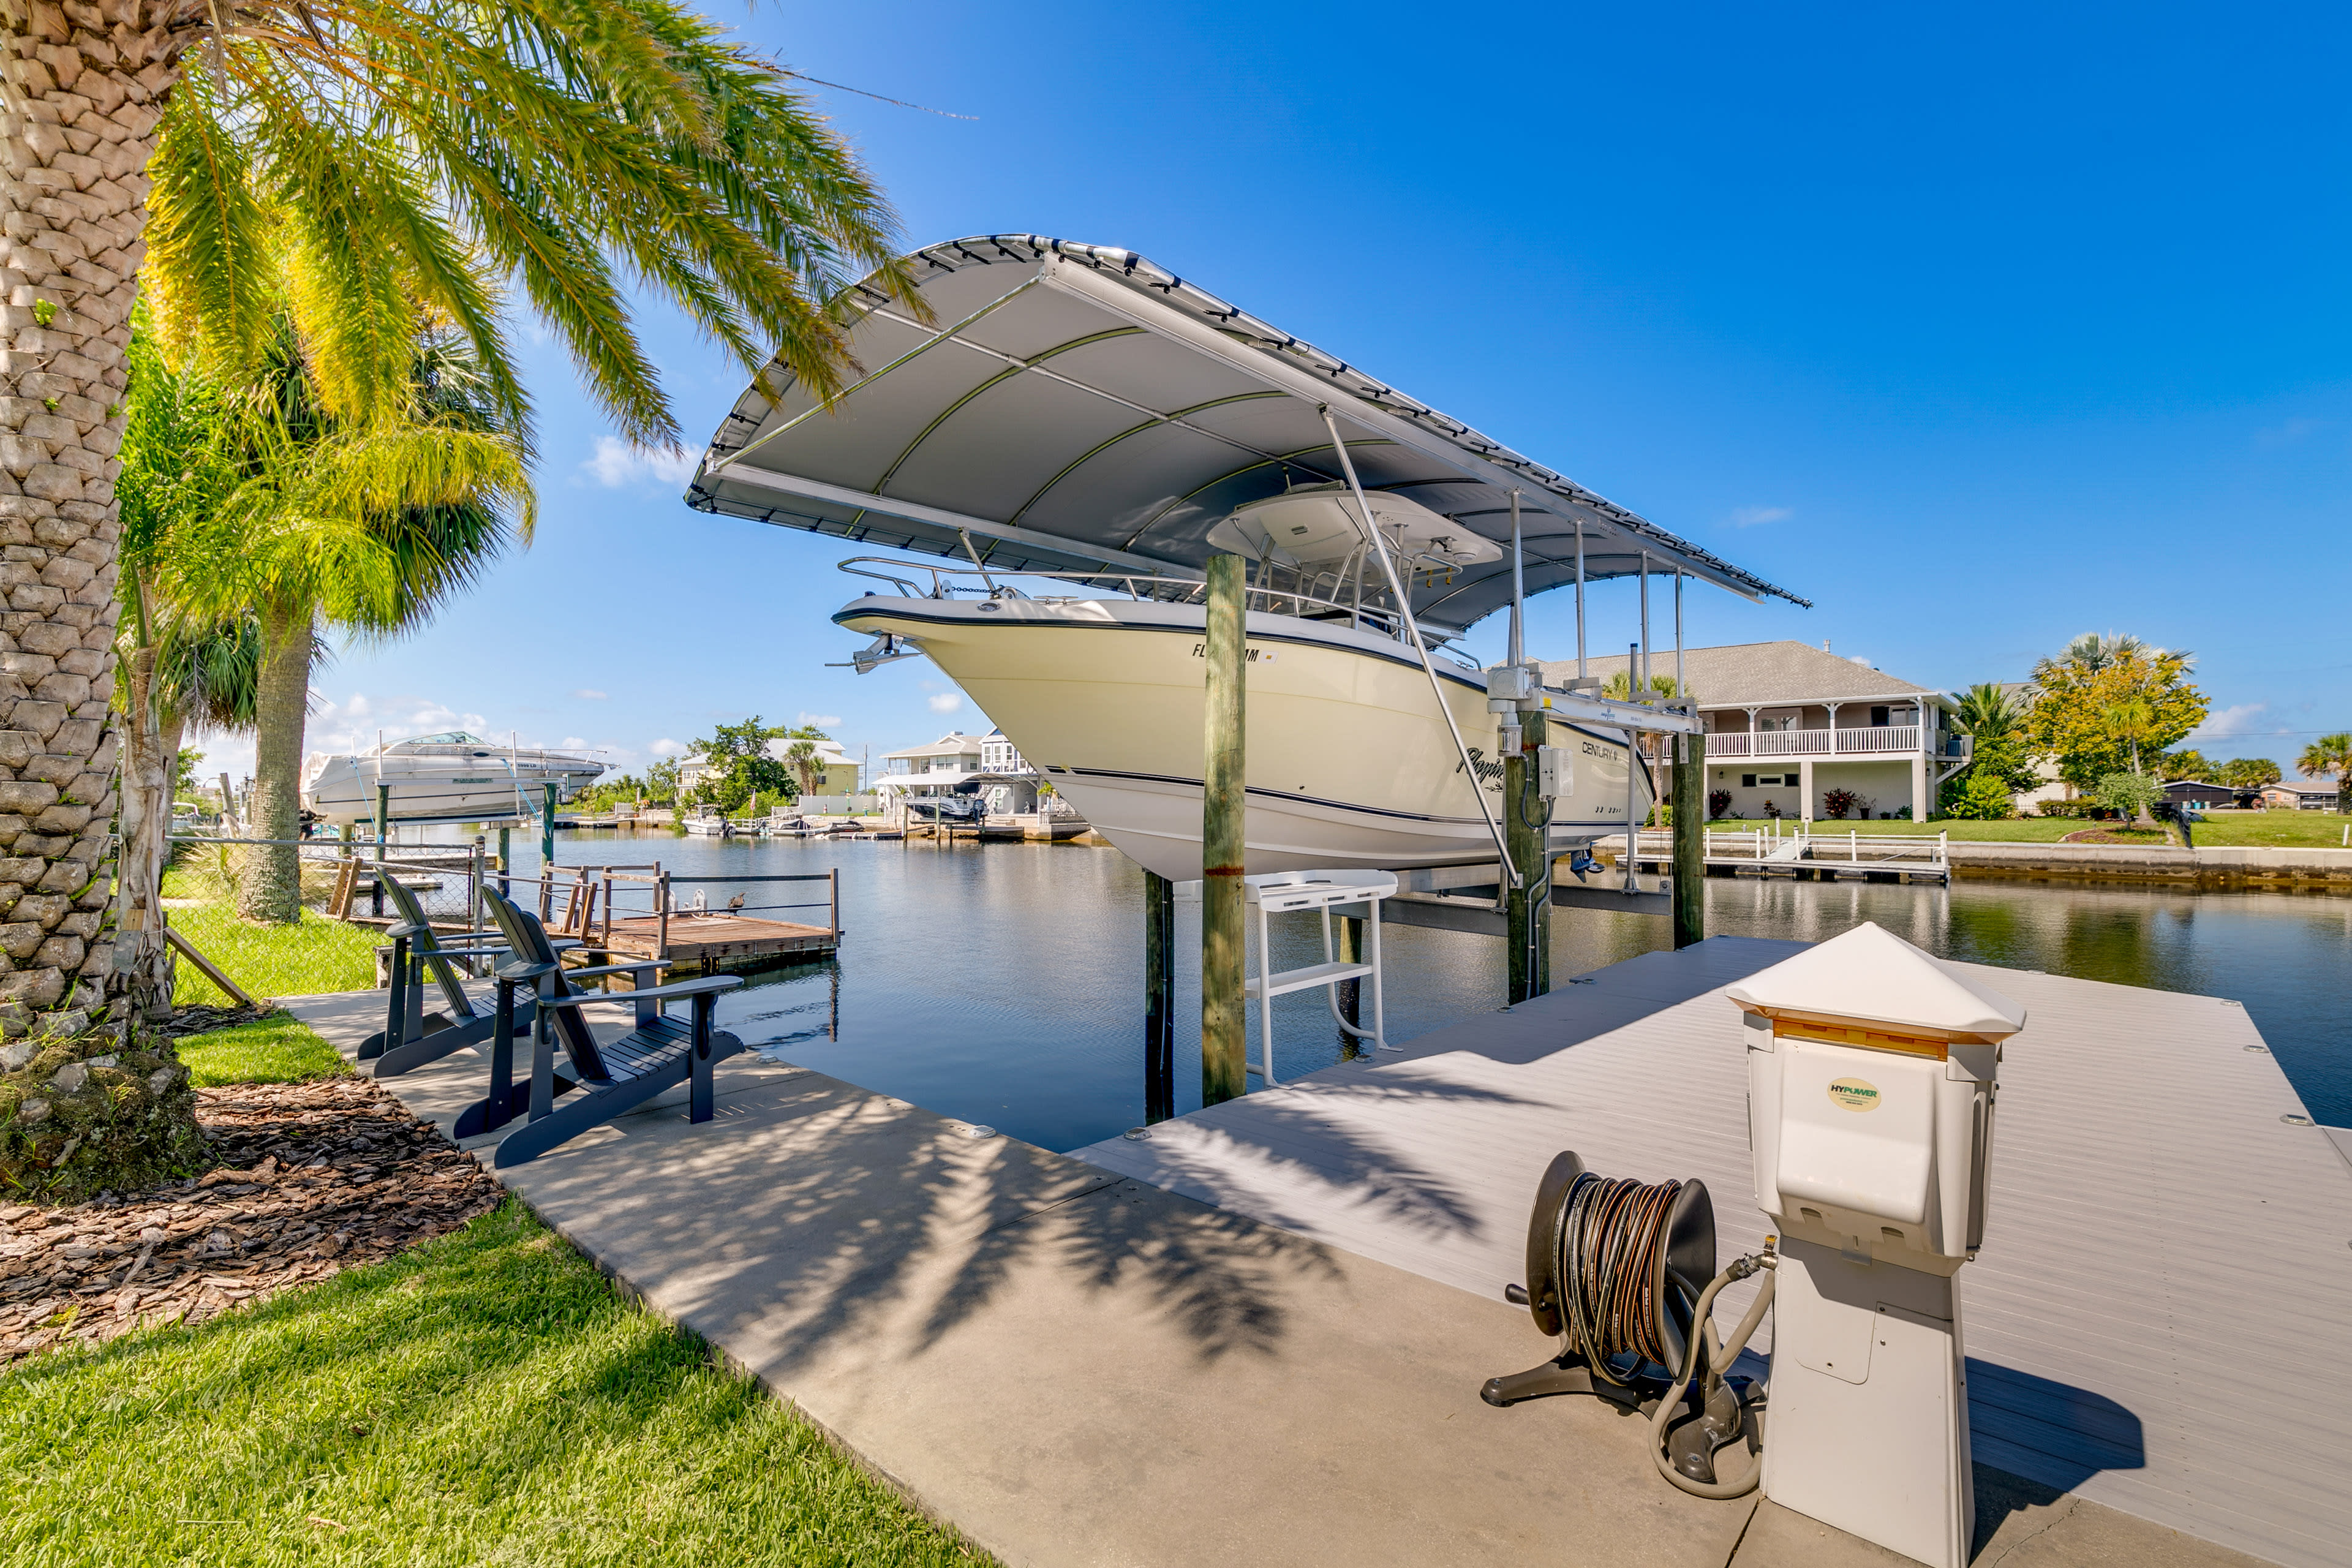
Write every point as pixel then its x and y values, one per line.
pixel 838 805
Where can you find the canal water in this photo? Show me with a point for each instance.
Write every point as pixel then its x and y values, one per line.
pixel 1002 984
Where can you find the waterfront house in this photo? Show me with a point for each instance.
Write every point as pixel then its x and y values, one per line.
pixel 2198 793
pixel 958 763
pixel 1787 723
pixel 2312 796
pixel 838 771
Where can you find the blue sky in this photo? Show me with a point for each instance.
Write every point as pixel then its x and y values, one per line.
pixel 1979 327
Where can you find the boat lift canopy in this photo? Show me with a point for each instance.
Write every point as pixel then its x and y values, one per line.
pixel 1074 408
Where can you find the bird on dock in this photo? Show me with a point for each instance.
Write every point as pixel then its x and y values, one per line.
pixel 735 905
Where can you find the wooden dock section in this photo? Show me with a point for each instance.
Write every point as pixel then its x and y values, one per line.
pixel 2166 1282
pixel 703 942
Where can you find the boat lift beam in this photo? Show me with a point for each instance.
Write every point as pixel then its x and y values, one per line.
pixel 940 517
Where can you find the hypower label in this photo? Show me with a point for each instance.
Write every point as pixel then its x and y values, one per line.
pixel 1855 1094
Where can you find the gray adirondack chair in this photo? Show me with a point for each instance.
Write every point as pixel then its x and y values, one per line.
pixel 412 1036
pixel 604 1077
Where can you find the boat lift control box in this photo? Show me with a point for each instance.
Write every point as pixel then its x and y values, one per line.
pixel 1555 773
pixel 1871 1082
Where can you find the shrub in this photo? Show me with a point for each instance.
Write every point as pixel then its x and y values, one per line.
pixel 2128 794
pixel 1902 814
pixel 1837 802
pixel 1982 797
pixel 1719 801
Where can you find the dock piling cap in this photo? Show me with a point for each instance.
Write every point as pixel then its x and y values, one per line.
pixel 1870 976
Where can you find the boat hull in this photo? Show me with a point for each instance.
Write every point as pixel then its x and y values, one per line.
pixel 1348 763
pixel 341 789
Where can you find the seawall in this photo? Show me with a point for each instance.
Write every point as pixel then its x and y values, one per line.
pixel 2214 868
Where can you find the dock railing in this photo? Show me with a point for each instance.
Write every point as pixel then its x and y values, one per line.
pixel 584 902
pixel 1778 842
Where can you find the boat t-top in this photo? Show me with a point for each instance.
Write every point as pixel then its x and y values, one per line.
pixel 450 777
pixel 1075 415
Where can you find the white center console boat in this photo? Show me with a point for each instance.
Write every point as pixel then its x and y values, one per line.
pixel 1039 410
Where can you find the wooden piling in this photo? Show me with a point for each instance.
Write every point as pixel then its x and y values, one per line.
pixel 1690 849
pixel 1223 814
pixel 1348 941
pixel 547 850
pixel 1527 832
pixel 1158 997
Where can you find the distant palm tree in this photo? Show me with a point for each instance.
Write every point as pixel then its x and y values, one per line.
pixel 2330 754
pixel 2092 652
pixel 1621 687
pixel 1988 711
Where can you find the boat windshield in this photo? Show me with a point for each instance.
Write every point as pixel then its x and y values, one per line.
pixel 450 738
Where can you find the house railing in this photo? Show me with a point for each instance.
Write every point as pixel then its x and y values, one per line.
pixel 1884 738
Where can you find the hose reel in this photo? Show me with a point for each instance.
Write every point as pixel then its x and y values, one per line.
pixel 1625 1274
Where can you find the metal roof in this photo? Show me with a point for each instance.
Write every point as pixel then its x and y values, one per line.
pixel 1762 675
pixel 1075 408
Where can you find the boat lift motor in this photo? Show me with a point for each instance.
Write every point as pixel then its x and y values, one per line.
pixel 1870 1082
pixel 1624 1273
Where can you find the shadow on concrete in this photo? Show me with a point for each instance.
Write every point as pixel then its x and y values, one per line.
pixel 841 1214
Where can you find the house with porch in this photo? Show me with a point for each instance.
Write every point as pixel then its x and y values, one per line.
pixel 1787 723
pixel 958 763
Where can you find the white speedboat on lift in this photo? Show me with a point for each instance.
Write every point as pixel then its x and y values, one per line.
pixel 449 777
pixel 1077 414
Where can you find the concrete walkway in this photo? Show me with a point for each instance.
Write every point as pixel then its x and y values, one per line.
pixel 1074 1368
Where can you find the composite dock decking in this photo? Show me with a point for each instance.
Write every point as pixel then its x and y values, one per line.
pixel 2165 1286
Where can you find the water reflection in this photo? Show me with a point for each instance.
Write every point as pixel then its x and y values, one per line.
pixel 1004 983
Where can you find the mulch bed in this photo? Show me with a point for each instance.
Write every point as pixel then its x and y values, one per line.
pixel 186 1021
pixel 315 1177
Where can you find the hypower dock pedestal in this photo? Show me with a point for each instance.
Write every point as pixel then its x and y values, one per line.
pixel 1871 1076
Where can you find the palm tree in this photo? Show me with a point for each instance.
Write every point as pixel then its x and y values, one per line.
pixel 2129 722
pixel 2330 754
pixel 581 149
pixel 1988 711
pixel 2092 653
pixel 366 524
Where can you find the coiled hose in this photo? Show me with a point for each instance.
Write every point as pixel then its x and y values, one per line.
pixel 1608 1236
pixel 1720 1354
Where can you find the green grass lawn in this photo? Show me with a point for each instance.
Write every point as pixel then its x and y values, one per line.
pixel 317 955
pixel 275 1050
pixel 2221 829
pixel 486 1398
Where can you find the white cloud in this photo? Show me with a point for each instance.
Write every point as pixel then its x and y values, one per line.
pixel 1750 516
pixel 2230 723
pixel 574 743
pixel 821 720
pixel 666 748
pixel 591 694
pixel 617 464
pixel 945 702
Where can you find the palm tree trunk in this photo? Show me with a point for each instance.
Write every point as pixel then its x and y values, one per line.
pixel 142 959
pixel 77 120
pixel 77 125
pixel 270 886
